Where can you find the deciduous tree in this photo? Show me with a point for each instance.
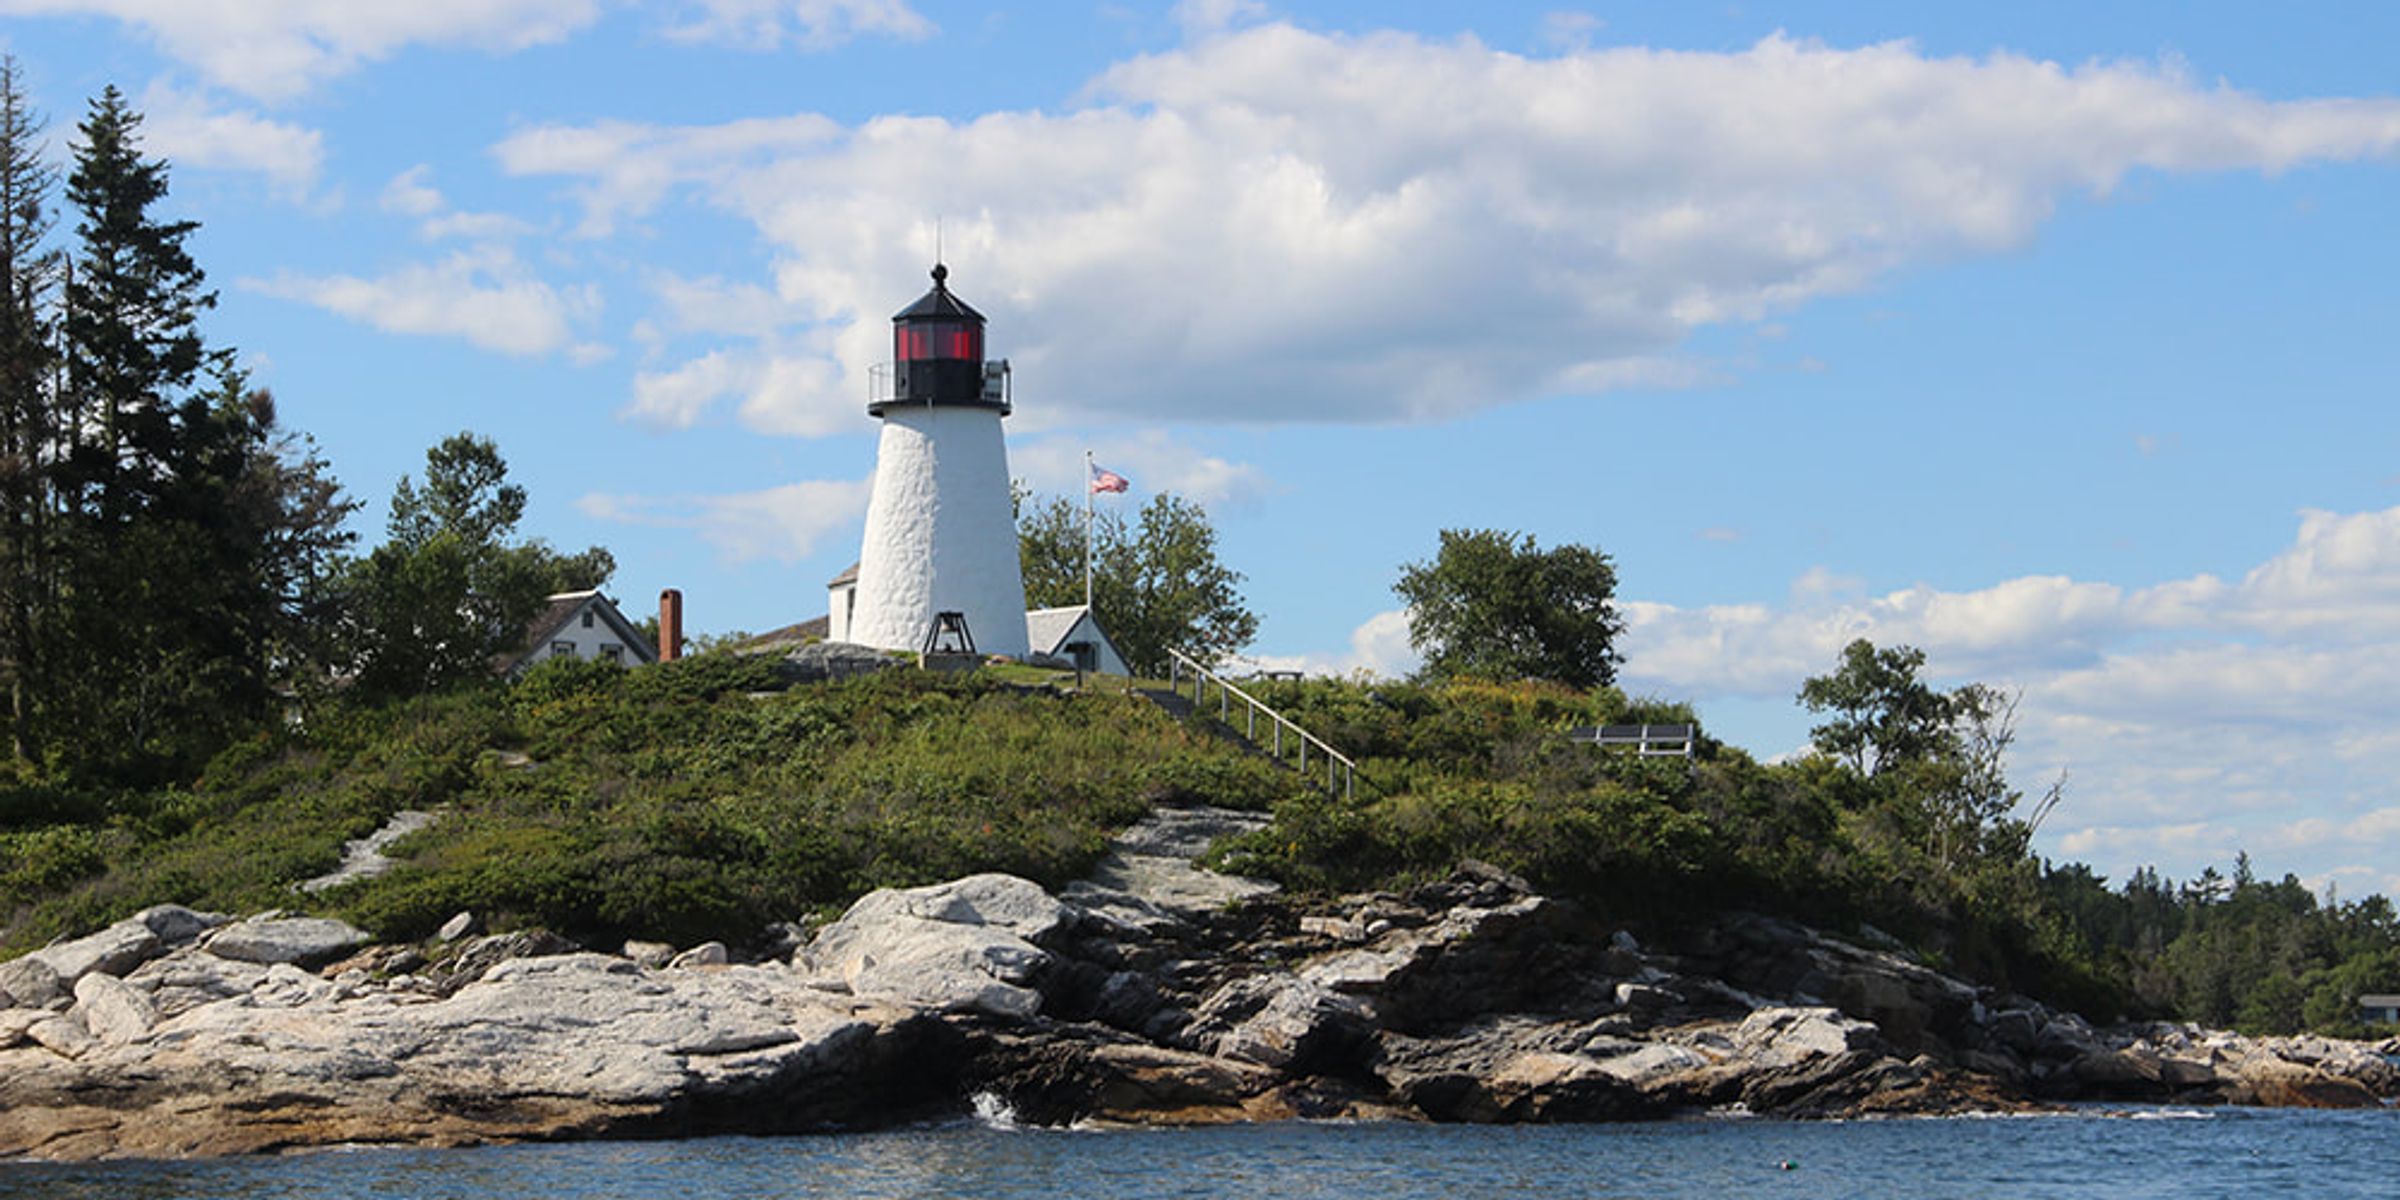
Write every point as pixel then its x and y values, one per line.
pixel 1157 583
pixel 1883 715
pixel 1494 605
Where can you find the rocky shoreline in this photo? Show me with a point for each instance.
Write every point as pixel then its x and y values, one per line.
pixel 1153 993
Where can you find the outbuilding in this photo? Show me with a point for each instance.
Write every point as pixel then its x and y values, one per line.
pixel 1072 634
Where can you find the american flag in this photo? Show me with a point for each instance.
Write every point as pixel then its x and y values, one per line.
pixel 1105 480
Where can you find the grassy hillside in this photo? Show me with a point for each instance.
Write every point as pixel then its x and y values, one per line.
pixel 704 798
pixel 709 799
pixel 1485 770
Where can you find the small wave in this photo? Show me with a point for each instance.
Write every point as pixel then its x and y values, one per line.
pixel 990 1111
pixel 2169 1114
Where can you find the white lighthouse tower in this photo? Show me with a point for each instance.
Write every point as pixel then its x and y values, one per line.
pixel 941 538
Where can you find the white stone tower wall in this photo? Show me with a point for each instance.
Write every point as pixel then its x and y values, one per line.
pixel 940 534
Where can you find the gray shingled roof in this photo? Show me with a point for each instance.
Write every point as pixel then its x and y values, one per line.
pixel 563 608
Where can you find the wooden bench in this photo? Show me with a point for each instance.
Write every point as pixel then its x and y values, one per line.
pixel 1648 741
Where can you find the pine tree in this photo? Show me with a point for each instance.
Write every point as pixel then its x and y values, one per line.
pixel 29 270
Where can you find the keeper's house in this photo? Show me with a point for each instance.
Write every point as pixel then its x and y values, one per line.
pixel 581 625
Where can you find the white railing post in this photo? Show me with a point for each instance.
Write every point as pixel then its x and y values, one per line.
pixel 1341 774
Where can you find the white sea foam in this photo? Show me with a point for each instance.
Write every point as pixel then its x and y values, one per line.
pixel 992 1112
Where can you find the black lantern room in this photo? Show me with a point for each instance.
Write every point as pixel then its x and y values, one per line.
pixel 937 357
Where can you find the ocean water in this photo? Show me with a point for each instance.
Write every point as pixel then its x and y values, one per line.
pixel 2187 1154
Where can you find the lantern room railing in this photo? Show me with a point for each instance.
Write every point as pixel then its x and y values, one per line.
pixel 885 387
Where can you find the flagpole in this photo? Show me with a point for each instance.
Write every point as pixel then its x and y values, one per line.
pixel 1088 468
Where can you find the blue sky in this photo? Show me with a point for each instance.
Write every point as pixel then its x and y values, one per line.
pixel 2053 339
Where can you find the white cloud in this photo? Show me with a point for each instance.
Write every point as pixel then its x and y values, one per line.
pixel 630 168
pixel 472 227
pixel 1206 18
pixel 807 24
pixel 410 194
pixel 487 297
pixel 1570 30
pixel 1278 225
pixel 2196 717
pixel 183 129
pixel 780 523
pixel 1378 648
pixel 1381 644
pixel 715 305
pixel 1151 460
pixel 2340 579
pixel 277 49
pixel 774 393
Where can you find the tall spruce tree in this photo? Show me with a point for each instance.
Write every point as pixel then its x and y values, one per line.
pixel 166 548
pixel 193 534
pixel 133 308
pixel 29 272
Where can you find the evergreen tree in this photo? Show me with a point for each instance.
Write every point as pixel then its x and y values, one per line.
pixel 448 594
pixel 123 666
pixel 191 535
pixel 29 272
pixel 133 305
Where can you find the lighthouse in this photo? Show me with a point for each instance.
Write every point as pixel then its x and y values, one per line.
pixel 941 537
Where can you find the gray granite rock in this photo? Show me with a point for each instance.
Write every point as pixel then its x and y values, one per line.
pixel 176 925
pixel 269 940
pixel 181 982
pixel 364 858
pixel 112 1010
pixel 15 1021
pixel 1278 1019
pixel 964 945
pixel 819 661
pixel 706 954
pixel 112 951
pixel 62 1034
pixel 1149 879
pixel 28 982
pixel 649 954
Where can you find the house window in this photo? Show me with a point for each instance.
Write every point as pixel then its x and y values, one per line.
pixel 587 618
pixel 562 649
pixel 613 652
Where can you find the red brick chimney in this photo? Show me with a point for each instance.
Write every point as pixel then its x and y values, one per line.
pixel 670 625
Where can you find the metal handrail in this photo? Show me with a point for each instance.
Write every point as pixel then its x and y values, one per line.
pixel 1337 764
